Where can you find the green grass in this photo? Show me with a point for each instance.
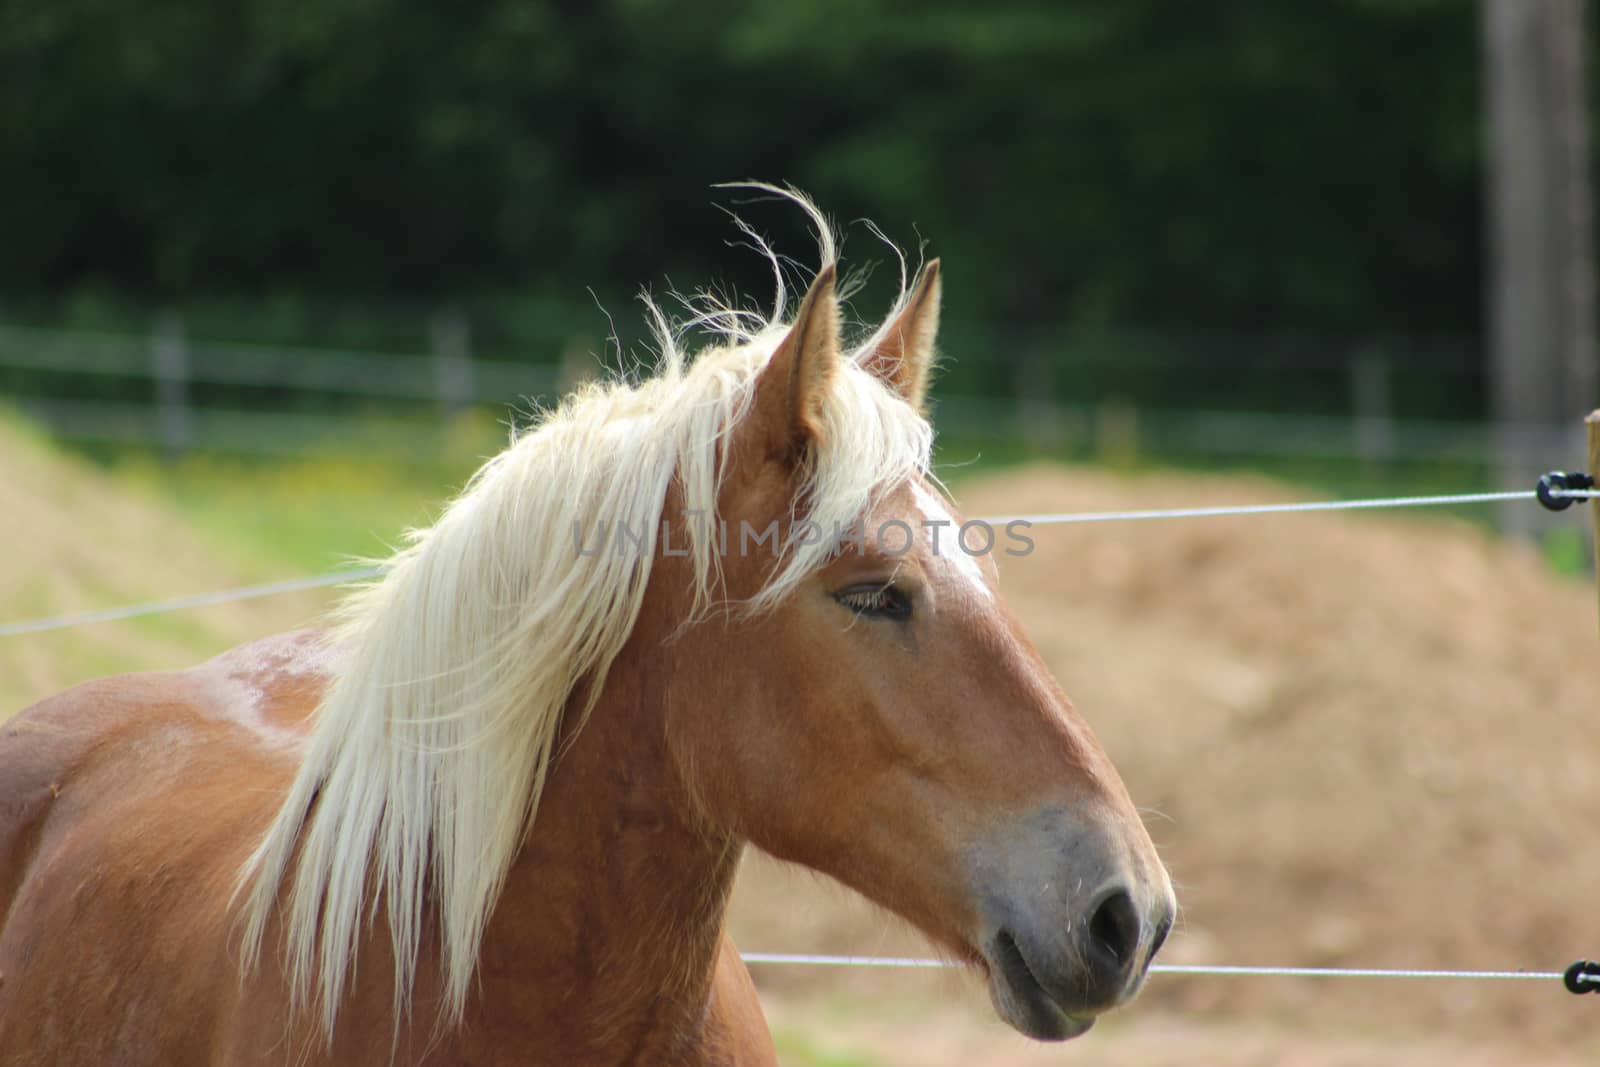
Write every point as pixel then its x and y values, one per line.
pixel 315 512
pixel 797 1048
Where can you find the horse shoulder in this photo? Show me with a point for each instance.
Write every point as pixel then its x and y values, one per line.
pixel 127 806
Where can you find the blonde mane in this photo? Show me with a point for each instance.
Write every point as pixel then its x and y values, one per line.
pixel 426 762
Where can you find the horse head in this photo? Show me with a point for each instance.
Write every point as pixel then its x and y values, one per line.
pixel 882 717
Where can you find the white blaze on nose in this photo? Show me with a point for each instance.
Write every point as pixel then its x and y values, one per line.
pixel 949 539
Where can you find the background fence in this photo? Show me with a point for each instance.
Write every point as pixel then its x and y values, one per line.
pixel 169 390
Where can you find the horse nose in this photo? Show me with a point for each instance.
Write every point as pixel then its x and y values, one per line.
pixel 1113 936
pixel 1071 916
pixel 1119 943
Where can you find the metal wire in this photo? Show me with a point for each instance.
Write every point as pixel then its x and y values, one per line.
pixel 221 596
pixel 251 592
pixel 801 959
pixel 807 960
pixel 1279 509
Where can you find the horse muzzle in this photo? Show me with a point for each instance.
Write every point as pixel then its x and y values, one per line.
pixel 1071 920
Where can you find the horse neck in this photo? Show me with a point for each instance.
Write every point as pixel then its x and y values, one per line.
pixel 616 900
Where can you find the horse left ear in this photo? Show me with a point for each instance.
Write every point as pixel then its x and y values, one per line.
pixel 790 390
pixel 902 354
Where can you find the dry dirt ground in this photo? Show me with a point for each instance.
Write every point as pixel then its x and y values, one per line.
pixel 1360 741
pixel 960 1038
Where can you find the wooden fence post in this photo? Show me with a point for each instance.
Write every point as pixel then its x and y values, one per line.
pixel 452 360
pixel 1369 388
pixel 1037 413
pixel 169 355
pixel 578 365
pixel 1539 215
pixel 1116 434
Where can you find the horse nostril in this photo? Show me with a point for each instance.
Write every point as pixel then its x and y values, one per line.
pixel 1161 936
pixel 1114 928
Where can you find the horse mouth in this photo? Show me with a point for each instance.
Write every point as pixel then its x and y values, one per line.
pixel 1020 998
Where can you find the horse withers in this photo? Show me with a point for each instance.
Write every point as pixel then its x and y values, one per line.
pixel 494 814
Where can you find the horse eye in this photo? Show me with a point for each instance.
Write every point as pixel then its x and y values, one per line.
pixel 876 601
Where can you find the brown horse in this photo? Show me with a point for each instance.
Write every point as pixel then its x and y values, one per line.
pixel 494 815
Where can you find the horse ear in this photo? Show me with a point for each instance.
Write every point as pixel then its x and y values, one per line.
pixel 902 355
pixel 790 390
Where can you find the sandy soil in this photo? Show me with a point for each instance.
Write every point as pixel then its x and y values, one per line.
pixel 954 1038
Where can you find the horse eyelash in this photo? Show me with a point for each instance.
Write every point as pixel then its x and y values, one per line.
pixel 866 599
pixel 877 601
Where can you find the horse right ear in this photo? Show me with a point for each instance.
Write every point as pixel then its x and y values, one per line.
pixel 901 354
pixel 789 393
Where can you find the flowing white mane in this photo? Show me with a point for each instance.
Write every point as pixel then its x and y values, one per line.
pixel 430 751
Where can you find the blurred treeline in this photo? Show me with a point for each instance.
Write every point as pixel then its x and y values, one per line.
pixel 1198 179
